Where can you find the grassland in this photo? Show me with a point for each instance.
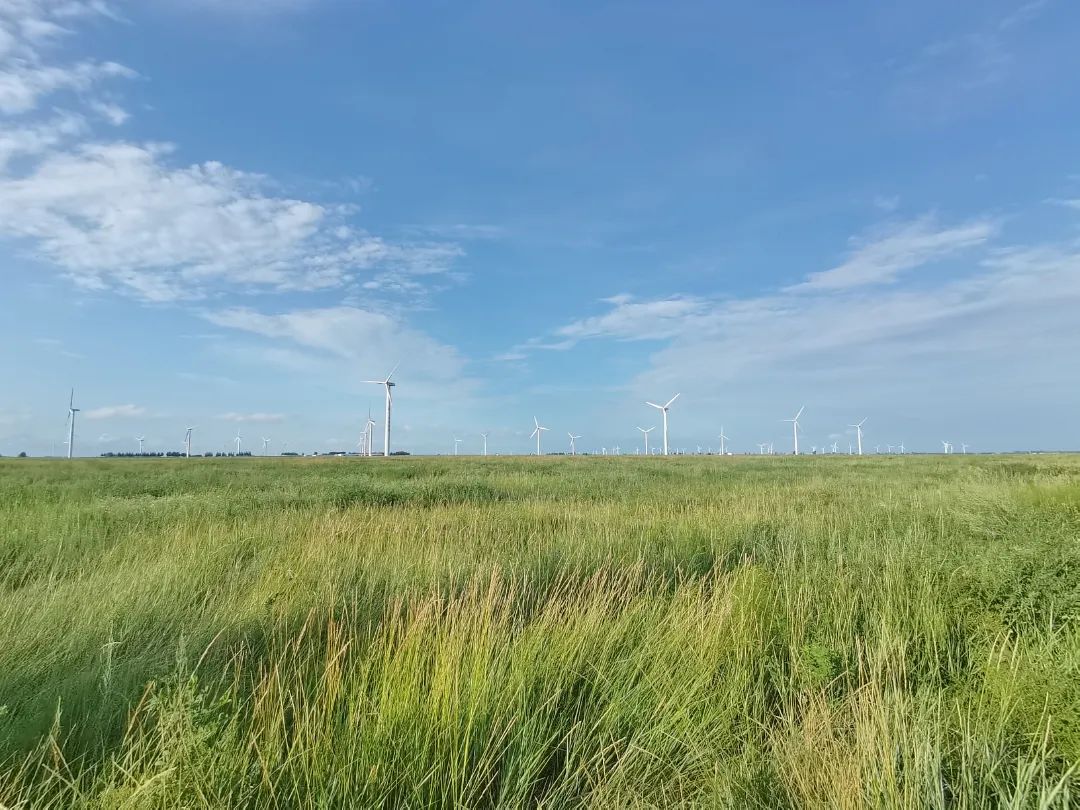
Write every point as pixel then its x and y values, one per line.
pixel 750 632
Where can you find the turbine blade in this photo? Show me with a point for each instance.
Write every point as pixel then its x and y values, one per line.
pixel 391 374
pixel 668 405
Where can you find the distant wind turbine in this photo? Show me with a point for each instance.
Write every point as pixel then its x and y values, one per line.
pixel 369 428
pixel 389 404
pixel 238 438
pixel 947 446
pixel 858 432
pixel 484 437
pixel 573 447
pixel 72 410
pixel 761 448
pixel 537 433
pixel 266 443
pixel 723 439
pixel 140 440
pixel 457 444
pixel 187 440
pixel 664 410
pixel 901 448
pixel 963 448
pixel 795 427
pixel 645 433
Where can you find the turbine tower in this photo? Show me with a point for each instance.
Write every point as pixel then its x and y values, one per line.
pixel 723 439
pixel 947 446
pixel 795 427
pixel 238 438
pixel 187 441
pixel 858 433
pixel 140 440
pixel 573 447
pixel 645 433
pixel 266 443
pixel 389 404
pixel 370 430
pixel 457 443
pixel 664 410
pixel 537 433
pixel 72 410
pixel 484 437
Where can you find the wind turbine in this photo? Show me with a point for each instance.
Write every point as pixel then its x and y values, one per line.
pixel 858 432
pixel 238 438
pixel 835 445
pixel 266 443
pixel 537 433
pixel 140 440
pixel 645 432
pixel 389 404
pixel 888 448
pixel 947 446
pixel 723 439
pixel 573 448
pixel 795 427
pixel 484 436
pixel 963 448
pixel 457 443
pixel 72 410
pixel 187 441
pixel 901 448
pixel 761 448
pixel 370 430
pixel 664 410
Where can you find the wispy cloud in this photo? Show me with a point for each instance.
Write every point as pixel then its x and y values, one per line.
pixel 257 417
pixel 115 412
pixel 881 257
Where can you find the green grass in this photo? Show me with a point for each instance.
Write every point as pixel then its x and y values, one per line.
pixel 589 632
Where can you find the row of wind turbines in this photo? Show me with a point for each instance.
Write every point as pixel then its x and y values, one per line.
pixel 367 440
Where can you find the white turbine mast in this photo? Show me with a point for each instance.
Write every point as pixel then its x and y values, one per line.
pixel 187 441
pixel 238 438
pixel 538 432
pixel 723 441
pixel 484 437
pixel 369 431
pixel 140 440
pixel 664 410
pixel 573 447
pixel 457 444
pixel 389 404
pixel 72 410
pixel 858 433
pixel 266 443
pixel 947 446
pixel 795 427
pixel 645 433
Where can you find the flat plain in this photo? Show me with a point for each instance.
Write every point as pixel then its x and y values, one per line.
pixel 772 632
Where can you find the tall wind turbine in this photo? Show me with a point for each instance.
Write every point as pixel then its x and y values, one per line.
pixel 664 410
pixel 238 438
pixel 645 433
pixel 573 447
pixel 964 447
pixel 187 441
pixel 858 433
pixel 140 440
pixel 266 443
pixel 723 438
pixel 457 444
pixel 537 433
pixel 795 427
pixel 72 410
pixel 389 404
pixel 484 436
pixel 947 446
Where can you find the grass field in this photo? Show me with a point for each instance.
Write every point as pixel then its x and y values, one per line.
pixel 589 632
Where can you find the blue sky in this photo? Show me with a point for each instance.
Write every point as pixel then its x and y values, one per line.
pixel 230 213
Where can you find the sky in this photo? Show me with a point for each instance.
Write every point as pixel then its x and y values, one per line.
pixel 231 213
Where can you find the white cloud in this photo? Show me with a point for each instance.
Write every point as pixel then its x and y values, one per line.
pixel 371 342
pixel 882 257
pixel 116 216
pixel 115 412
pixel 266 418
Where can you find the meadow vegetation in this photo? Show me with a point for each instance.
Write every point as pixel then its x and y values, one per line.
pixel 552 632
